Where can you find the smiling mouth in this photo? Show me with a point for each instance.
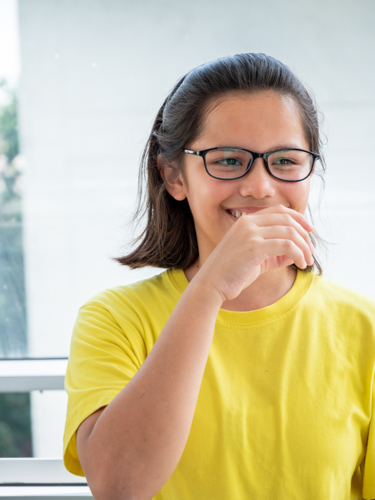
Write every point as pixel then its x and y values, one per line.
pixel 237 213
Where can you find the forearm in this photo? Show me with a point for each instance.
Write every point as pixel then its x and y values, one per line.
pixel 138 439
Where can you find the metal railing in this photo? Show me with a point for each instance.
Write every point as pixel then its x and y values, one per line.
pixel 32 374
pixel 35 478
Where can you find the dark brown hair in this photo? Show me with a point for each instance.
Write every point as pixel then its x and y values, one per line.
pixel 169 238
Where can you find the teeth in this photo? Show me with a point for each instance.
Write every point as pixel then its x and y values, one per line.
pixel 236 213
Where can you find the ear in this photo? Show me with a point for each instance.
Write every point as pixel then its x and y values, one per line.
pixel 175 185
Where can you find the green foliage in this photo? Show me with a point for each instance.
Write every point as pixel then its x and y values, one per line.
pixel 15 425
pixel 13 339
pixel 8 124
pixel 10 162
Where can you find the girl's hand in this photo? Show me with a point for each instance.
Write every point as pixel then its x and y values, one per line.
pixel 256 243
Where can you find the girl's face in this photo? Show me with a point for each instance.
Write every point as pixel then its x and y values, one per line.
pixel 259 122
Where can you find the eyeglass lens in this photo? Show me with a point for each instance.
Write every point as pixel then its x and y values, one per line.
pixel 228 163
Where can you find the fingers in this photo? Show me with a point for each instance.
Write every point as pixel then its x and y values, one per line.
pixel 288 249
pixel 293 214
pixel 257 243
pixel 289 238
pixel 288 218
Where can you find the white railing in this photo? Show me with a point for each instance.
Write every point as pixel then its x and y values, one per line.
pixel 24 375
pixel 35 478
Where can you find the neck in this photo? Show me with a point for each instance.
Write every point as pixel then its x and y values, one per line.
pixel 267 289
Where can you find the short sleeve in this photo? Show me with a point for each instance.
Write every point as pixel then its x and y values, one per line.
pixel 369 465
pixel 104 357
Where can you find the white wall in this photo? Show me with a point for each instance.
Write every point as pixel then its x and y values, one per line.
pixel 94 73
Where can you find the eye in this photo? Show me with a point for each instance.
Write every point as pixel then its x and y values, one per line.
pixel 286 160
pixel 229 162
pixel 282 161
pixel 290 164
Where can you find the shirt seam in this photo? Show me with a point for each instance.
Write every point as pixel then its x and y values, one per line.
pixel 274 318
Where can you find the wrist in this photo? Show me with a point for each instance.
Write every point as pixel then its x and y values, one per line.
pixel 206 292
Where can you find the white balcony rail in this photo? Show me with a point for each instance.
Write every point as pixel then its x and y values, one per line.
pixel 44 479
pixel 34 478
pixel 24 375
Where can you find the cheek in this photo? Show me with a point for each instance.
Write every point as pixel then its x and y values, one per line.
pixel 209 193
pixel 298 196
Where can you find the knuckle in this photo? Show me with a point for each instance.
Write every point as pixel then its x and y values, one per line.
pixel 243 221
pixel 288 244
pixel 288 219
pixel 257 240
pixel 248 224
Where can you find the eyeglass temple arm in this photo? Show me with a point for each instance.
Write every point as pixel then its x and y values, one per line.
pixel 190 152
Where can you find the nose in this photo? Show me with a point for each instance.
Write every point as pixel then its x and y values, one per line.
pixel 257 183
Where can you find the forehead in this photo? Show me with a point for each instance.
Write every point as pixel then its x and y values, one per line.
pixel 260 120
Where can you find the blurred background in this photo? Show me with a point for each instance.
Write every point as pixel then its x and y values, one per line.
pixel 80 84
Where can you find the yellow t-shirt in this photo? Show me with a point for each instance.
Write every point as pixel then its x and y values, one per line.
pixel 286 408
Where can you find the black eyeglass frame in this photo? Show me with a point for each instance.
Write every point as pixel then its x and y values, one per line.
pixel 254 155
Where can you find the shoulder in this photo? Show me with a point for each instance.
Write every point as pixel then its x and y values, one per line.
pixel 335 293
pixel 155 286
pixel 128 318
pixel 164 289
pixel 338 300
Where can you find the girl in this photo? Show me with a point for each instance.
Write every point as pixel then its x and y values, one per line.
pixel 238 373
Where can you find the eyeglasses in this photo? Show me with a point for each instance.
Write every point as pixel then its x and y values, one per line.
pixel 227 163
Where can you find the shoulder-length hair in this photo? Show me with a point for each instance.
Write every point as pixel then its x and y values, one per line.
pixel 169 239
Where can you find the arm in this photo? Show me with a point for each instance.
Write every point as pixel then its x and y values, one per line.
pixel 153 413
pixel 130 449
